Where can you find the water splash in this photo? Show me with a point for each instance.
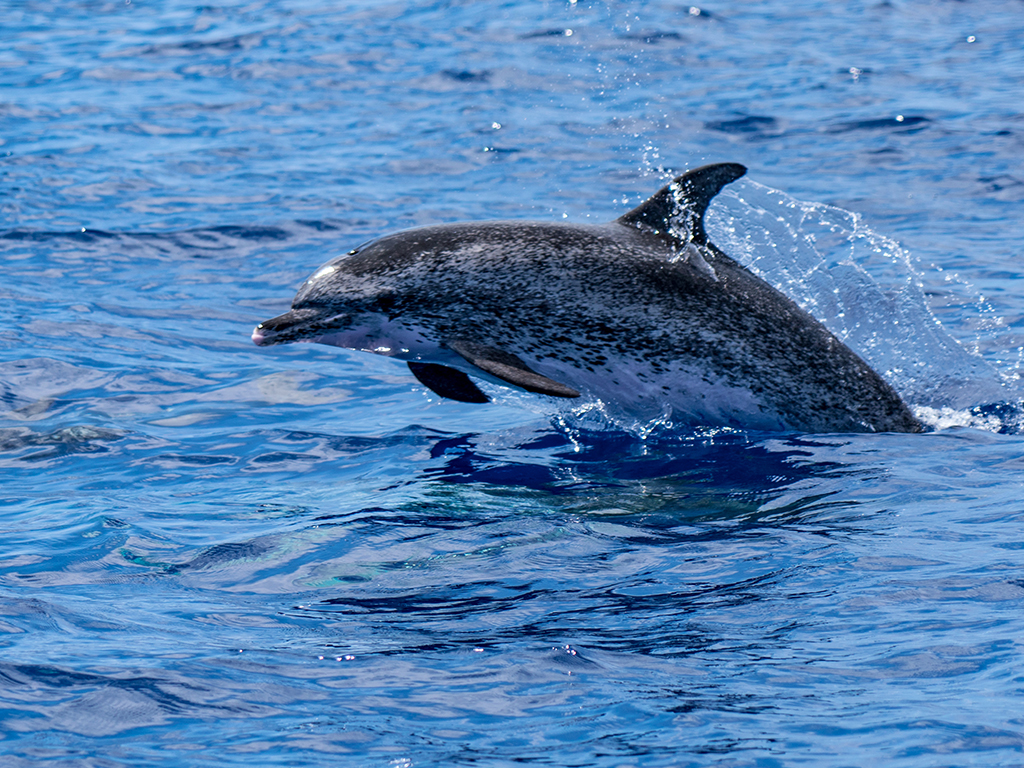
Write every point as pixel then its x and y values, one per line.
pixel 864 288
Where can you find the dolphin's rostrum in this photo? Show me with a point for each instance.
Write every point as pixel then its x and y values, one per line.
pixel 643 313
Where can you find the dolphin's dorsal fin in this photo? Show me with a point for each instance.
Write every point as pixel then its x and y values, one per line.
pixel 447 382
pixel 510 368
pixel 677 211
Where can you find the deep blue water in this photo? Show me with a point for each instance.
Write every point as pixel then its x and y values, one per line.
pixel 213 554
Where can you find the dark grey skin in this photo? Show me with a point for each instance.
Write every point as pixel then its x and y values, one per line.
pixel 643 313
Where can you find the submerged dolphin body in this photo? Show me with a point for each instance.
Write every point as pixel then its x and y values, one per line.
pixel 643 313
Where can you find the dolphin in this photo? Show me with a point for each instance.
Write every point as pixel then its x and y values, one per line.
pixel 643 313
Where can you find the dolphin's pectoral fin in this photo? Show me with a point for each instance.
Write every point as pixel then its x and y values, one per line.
pixel 677 211
pixel 448 382
pixel 510 368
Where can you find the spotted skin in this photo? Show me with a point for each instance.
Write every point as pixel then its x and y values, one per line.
pixel 642 313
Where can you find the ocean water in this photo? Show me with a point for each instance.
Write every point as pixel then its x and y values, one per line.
pixel 213 554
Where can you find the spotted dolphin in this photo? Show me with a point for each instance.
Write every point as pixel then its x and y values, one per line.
pixel 643 313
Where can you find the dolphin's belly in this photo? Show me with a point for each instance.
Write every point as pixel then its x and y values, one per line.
pixel 689 396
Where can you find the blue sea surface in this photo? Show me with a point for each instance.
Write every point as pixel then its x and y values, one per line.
pixel 213 554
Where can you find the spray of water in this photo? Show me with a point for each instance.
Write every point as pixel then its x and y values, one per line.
pixel 864 288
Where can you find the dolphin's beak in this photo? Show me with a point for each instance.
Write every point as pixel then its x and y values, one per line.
pixel 275 330
pixel 259 335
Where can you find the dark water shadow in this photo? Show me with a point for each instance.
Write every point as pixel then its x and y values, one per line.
pixel 546 560
pixel 676 475
pixel 682 487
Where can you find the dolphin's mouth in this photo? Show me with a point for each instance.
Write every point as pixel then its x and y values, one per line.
pixel 294 325
pixel 365 331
